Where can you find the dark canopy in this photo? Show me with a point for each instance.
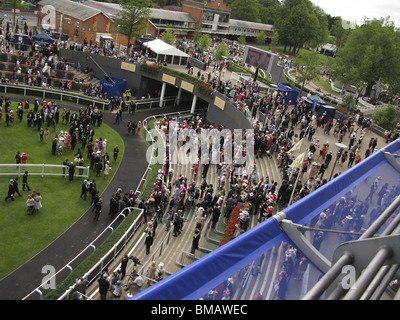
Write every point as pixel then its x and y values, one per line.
pixel 42 38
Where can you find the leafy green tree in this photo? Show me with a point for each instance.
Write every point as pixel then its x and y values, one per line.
pixel 196 35
pixel 369 55
pixel 349 103
pixel 163 3
pixel 299 22
pixel 320 31
pixel 204 42
pixel 268 14
pixel 308 67
pixel 132 16
pixel 339 32
pixel 275 39
pixel 387 117
pixel 15 4
pixel 261 37
pixel 245 10
pixel 221 52
pixel 242 39
pixel 168 36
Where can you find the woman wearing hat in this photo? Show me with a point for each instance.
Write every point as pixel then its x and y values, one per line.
pixel 160 271
pixel 117 290
pixel 151 273
pixel 107 169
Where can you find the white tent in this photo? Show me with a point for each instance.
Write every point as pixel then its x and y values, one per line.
pixel 166 52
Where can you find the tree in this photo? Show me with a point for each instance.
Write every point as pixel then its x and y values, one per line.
pixel 275 39
pixel 268 11
pixel 339 32
pixel 308 66
pixel 15 4
pixel 131 18
pixel 369 56
pixel 242 39
pixel 299 22
pixel 196 35
pixel 245 10
pixel 204 42
pixel 221 52
pixel 261 37
pixel 168 36
pixel 349 103
pixel 386 118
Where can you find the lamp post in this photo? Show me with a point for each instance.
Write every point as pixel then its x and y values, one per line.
pixel 341 147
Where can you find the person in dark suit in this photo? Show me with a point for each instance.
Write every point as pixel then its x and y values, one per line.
pixel 16 187
pixel 104 286
pixel 124 263
pixel 148 242
pixel 195 241
pixel 98 209
pixel 71 171
pixel 25 182
pixel 11 190
pixel 84 189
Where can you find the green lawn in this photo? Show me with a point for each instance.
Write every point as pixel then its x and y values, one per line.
pixel 325 85
pixel 23 236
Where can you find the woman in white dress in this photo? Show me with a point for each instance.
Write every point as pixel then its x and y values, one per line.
pixel 38 204
pixel 107 169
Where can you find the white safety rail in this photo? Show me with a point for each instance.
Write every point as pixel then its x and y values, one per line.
pixel 93 274
pixel 51 94
pixel 42 170
pixel 103 262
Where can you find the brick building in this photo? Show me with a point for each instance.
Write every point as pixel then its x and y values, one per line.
pixel 212 17
pixel 94 20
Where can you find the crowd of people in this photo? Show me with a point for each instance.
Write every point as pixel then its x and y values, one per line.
pixel 79 139
pixel 40 64
pixel 278 125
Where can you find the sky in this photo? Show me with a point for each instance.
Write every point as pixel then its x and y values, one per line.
pixel 355 10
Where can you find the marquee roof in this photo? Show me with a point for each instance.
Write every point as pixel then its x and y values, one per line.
pixel 160 47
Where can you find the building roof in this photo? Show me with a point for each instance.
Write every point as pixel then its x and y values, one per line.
pixel 112 9
pixel 329 47
pixel 108 9
pixel 249 25
pixel 73 9
pixel 171 15
pixel 160 47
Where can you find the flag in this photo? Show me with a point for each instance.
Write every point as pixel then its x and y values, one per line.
pixel 298 162
pixel 108 25
pixel 296 147
pixel 94 24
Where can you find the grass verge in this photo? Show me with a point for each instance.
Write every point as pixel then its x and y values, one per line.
pixel 23 236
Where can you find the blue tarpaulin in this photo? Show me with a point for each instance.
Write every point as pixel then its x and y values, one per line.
pixel 113 86
pixel 292 93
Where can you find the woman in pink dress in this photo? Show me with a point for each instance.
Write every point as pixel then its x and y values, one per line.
pixel 68 141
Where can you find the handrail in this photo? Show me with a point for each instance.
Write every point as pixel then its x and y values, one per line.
pixel 43 173
pixel 100 264
pixel 54 91
pixel 138 219
pixel 137 223
pixel 91 245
